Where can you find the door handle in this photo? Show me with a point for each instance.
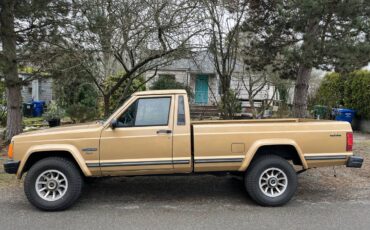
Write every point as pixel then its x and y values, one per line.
pixel 164 131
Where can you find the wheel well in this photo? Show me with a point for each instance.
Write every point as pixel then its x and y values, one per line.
pixel 36 156
pixel 287 152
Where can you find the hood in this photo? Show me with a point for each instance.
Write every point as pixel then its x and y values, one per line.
pixel 79 128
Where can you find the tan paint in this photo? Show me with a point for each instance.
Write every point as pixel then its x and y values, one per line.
pixel 268 142
pixel 68 138
pixel 307 136
pixel 181 148
pixel 218 145
pixel 137 144
pixel 43 149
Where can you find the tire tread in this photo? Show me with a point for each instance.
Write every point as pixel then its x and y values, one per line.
pixel 252 180
pixel 75 183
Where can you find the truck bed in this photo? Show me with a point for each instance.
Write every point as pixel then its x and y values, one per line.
pixel 231 141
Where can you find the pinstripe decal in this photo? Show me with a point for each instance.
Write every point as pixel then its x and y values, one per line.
pixel 218 160
pixel 137 163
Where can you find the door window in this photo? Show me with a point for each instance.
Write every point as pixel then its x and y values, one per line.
pixel 146 112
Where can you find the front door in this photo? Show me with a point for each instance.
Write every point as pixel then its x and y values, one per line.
pixel 142 140
pixel 201 89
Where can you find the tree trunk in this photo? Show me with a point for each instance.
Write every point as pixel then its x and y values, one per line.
pixel 225 98
pixel 106 105
pixel 305 68
pixel 253 108
pixel 12 82
pixel 301 91
pixel 14 115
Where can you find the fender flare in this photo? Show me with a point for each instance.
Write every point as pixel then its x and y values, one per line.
pixel 54 147
pixel 268 142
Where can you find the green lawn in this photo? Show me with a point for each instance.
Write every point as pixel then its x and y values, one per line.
pixel 33 121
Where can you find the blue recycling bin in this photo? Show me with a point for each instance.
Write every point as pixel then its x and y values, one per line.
pixel 345 115
pixel 38 108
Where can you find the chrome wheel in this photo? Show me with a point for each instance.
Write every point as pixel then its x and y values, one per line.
pixel 273 182
pixel 51 185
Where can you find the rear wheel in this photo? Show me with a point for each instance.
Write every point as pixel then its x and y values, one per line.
pixel 53 184
pixel 271 181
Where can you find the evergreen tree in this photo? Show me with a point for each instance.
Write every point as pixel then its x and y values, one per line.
pixel 322 34
pixel 25 27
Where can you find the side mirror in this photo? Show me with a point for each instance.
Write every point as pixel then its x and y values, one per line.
pixel 113 124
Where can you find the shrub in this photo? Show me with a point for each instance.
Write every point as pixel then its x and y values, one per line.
pixel 230 105
pixel 3 114
pixel 331 91
pixel 53 112
pixel 79 99
pixel 349 90
pixel 169 82
pixel 357 92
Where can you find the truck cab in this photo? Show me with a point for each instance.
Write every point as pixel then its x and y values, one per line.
pixel 152 134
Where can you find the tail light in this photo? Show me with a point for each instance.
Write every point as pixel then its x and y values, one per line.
pixel 349 144
pixel 10 151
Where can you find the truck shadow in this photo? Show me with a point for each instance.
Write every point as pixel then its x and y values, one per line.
pixel 313 187
pixel 168 189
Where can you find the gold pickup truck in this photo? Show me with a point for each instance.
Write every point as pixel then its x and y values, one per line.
pixel 152 134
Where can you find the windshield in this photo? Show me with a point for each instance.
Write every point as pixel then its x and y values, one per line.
pixel 102 121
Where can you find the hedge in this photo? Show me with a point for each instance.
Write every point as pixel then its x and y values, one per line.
pixel 349 90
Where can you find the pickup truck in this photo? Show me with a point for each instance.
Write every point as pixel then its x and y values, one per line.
pixel 152 134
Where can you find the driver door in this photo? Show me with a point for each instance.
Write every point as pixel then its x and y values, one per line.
pixel 142 141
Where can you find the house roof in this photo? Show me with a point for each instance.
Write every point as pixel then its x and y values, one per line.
pixel 200 62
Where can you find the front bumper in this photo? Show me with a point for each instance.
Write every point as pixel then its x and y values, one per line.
pixel 355 161
pixel 11 166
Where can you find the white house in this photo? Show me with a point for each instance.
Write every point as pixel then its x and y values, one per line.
pixel 199 73
pixel 39 89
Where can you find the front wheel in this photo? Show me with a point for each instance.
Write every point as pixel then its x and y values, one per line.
pixel 271 181
pixel 53 184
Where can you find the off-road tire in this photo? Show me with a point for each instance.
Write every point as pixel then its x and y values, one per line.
pixel 72 174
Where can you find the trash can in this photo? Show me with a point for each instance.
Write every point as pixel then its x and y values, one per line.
pixel 27 109
pixel 38 108
pixel 345 115
pixel 320 112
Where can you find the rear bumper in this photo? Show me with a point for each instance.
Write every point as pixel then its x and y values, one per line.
pixel 355 161
pixel 11 166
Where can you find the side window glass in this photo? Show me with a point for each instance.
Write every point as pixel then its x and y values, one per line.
pixel 181 111
pixel 153 111
pixel 146 112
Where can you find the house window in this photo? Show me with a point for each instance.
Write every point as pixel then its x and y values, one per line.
pixel 167 76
